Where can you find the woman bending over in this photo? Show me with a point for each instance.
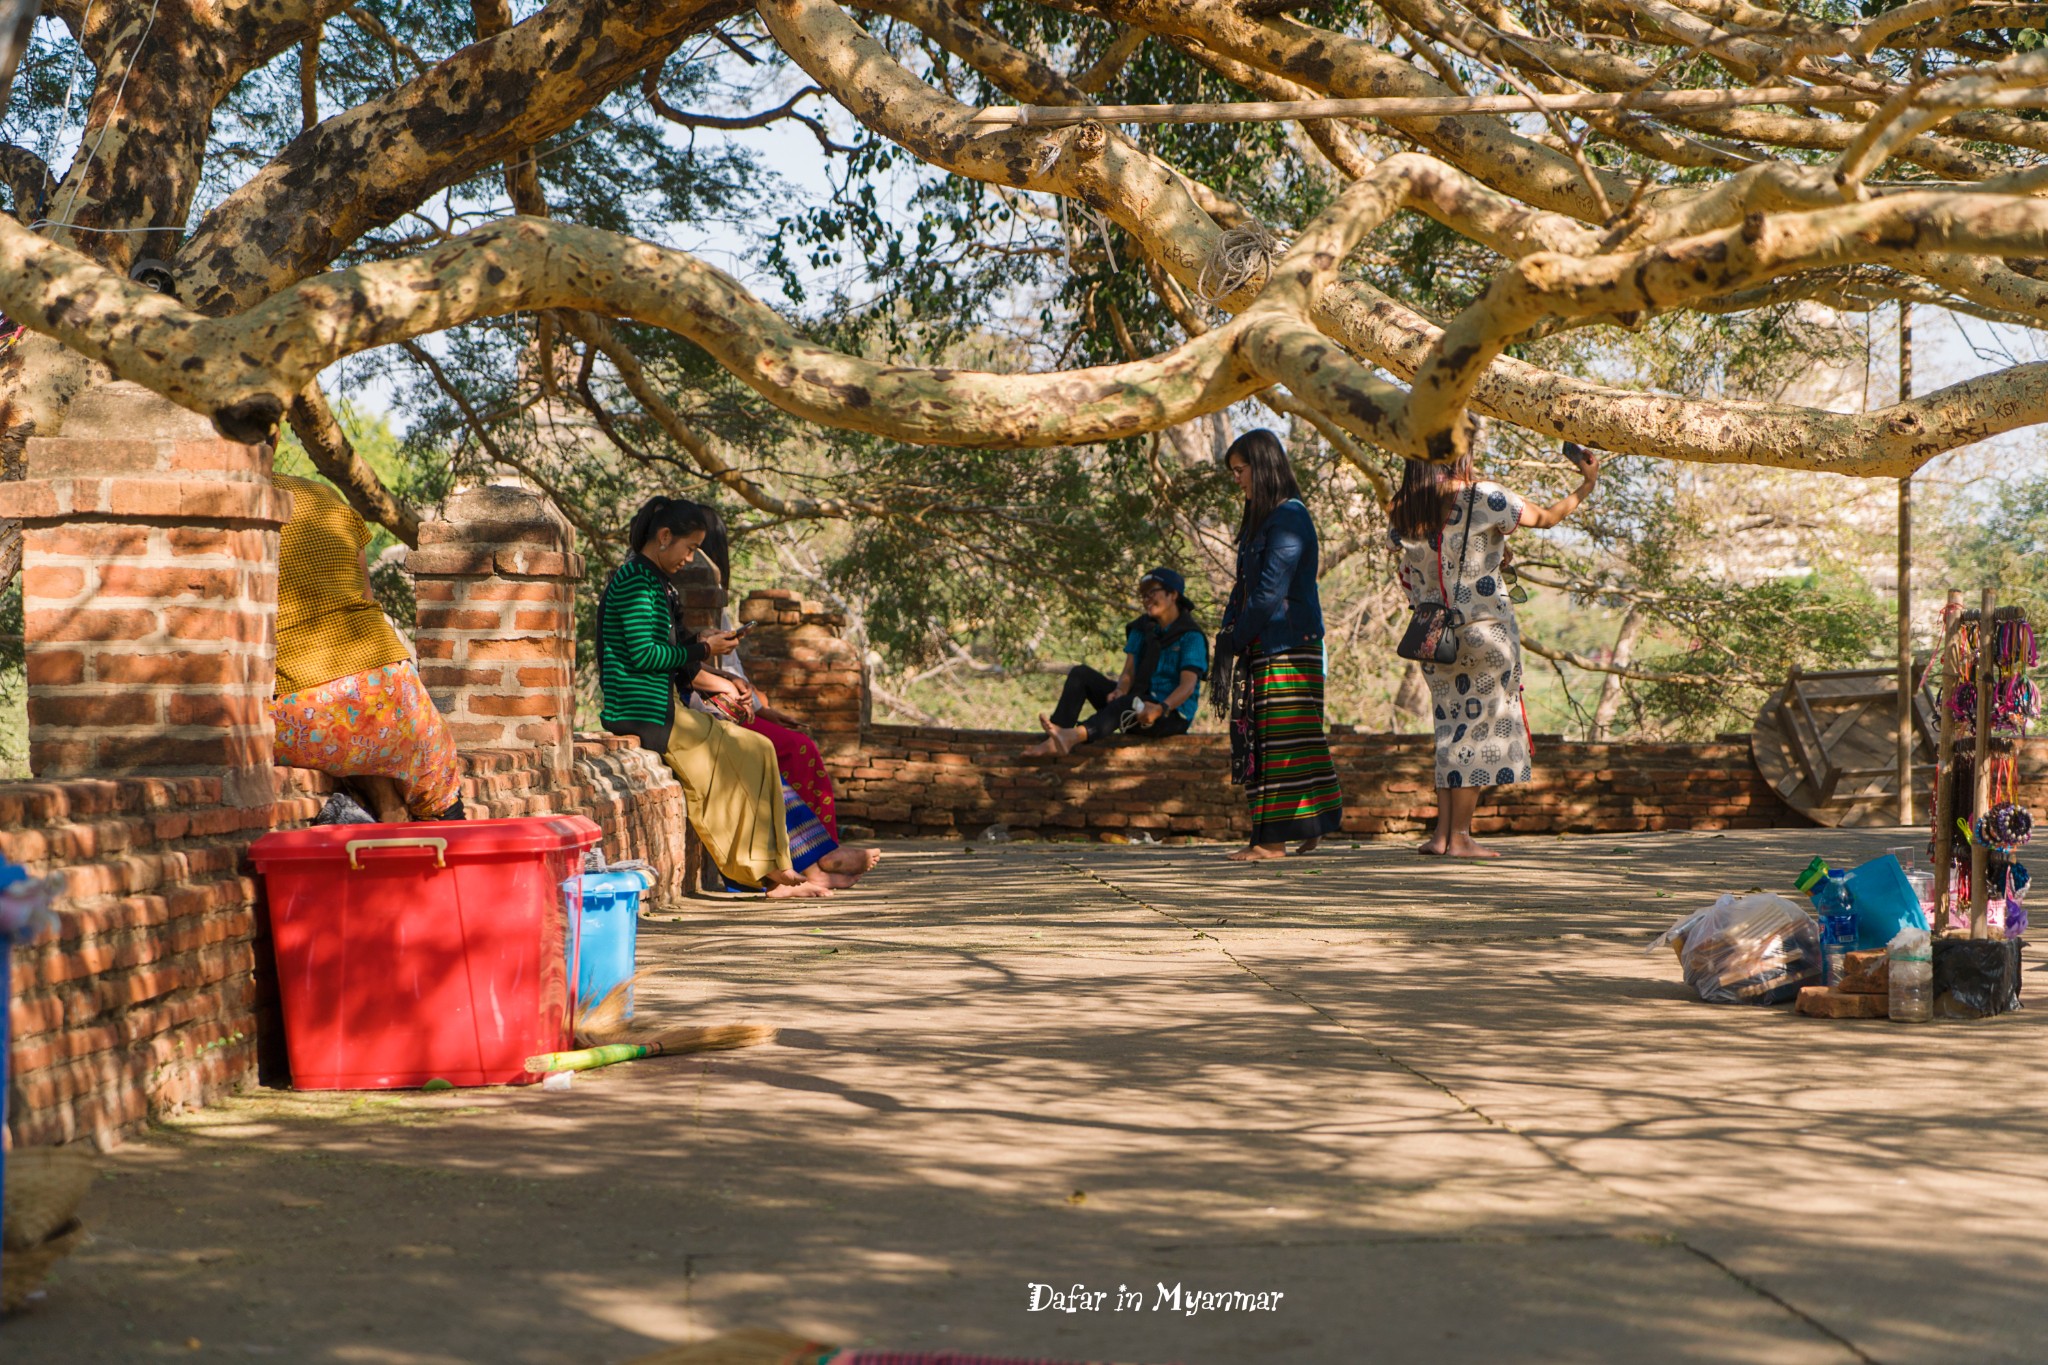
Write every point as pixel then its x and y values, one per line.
pixel 349 701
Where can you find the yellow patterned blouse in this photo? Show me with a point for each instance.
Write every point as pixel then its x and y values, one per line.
pixel 326 627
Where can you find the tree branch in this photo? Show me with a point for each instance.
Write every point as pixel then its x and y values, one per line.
pixel 1625 671
pixel 331 452
pixel 366 167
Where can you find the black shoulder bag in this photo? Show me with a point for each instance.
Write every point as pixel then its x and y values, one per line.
pixel 1432 634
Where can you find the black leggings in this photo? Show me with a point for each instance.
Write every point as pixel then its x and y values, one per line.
pixel 1087 686
pixel 653 738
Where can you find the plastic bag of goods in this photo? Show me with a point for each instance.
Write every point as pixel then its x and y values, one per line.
pixel 1757 949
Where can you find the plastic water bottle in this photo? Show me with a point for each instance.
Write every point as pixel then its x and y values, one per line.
pixel 1911 964
pixel 1837 941
pixel 1837 911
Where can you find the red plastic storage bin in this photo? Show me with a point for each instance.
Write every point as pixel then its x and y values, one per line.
pixel 409 953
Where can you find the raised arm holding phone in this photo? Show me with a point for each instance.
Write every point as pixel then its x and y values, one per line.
pixel 1451 530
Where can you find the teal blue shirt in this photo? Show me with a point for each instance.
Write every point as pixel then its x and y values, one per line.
pixel 1189 651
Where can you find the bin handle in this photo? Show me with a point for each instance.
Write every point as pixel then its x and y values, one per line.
pixel 440 847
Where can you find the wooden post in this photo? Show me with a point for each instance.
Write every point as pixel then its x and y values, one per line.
pixel 1980 786
pixel 1945 757
pixel 1905 585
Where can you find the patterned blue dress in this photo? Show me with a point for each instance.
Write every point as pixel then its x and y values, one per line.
pixel 1482 732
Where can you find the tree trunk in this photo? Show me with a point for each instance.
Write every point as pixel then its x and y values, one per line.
pixel 1610 686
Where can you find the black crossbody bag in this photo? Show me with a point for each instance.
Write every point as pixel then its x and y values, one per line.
pixel 1432 634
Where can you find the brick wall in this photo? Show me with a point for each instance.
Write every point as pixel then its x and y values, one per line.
pixel 149 594
pixel 921 780
pixel 149 571
pixel 159 993
pixel 797 656
pixel 495 580
pixel 906 780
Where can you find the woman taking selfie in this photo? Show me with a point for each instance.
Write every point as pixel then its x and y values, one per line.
pixel 1269 660
pixel 1451 530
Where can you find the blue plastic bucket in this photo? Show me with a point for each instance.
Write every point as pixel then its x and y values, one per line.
pixel 611 925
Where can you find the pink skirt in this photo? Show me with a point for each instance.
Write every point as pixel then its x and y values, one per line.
pixel 802 767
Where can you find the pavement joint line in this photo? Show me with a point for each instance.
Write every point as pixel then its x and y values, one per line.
pixel 1422 1239
pixel 1761 1291
pixel 1541 1148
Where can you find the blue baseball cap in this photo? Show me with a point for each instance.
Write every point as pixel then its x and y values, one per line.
pixel 1167 579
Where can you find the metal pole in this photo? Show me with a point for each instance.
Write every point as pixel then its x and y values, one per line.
pixel 1906 585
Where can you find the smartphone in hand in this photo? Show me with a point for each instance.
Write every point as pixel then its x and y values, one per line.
pixel 1576 453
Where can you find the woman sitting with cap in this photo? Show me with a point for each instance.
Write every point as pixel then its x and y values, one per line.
pixel 1166 656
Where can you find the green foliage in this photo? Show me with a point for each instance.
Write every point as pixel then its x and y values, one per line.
pixel 1998 540
pixel 396 465
pixel 1827 619
pixel 13 687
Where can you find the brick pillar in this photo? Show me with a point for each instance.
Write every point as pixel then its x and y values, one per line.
pixel 798 657
pixel 704 598
pixel 149 586
pixel 495 578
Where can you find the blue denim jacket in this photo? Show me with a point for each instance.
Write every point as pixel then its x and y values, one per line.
pixel 1275 605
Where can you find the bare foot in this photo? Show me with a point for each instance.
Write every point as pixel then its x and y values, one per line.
pixel 851 861
pixel 1432 848
pixel 1307 845
pixel 1462 846
pixel 1258 853
pixel 1045 748
pixel 1056 736
pixel 801 890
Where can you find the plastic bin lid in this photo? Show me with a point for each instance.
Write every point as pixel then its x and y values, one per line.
pixel 465 840
pixel 630 879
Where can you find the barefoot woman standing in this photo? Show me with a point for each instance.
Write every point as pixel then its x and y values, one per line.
pixel 1451 530
pixel 1269 660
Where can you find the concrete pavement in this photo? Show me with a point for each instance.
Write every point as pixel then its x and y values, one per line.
pixel 1447 1112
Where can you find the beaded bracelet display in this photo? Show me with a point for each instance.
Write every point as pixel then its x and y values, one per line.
pixel 2005 825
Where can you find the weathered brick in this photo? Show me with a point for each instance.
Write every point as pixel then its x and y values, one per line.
pixel 185 668
pixel 75 709
pixel 1867 973
pixel 1823 1003
pixel 55 667
pixel 539 618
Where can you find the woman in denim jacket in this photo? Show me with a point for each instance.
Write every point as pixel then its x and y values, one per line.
pixel 1269 660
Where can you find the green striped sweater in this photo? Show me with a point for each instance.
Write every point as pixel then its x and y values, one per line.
pixel 638 656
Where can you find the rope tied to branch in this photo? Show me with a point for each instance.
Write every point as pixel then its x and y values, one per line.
pixel 1242 256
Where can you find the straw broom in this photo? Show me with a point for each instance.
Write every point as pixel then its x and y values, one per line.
pixel 606 1039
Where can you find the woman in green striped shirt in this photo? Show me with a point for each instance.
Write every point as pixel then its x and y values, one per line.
pixel 734 793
